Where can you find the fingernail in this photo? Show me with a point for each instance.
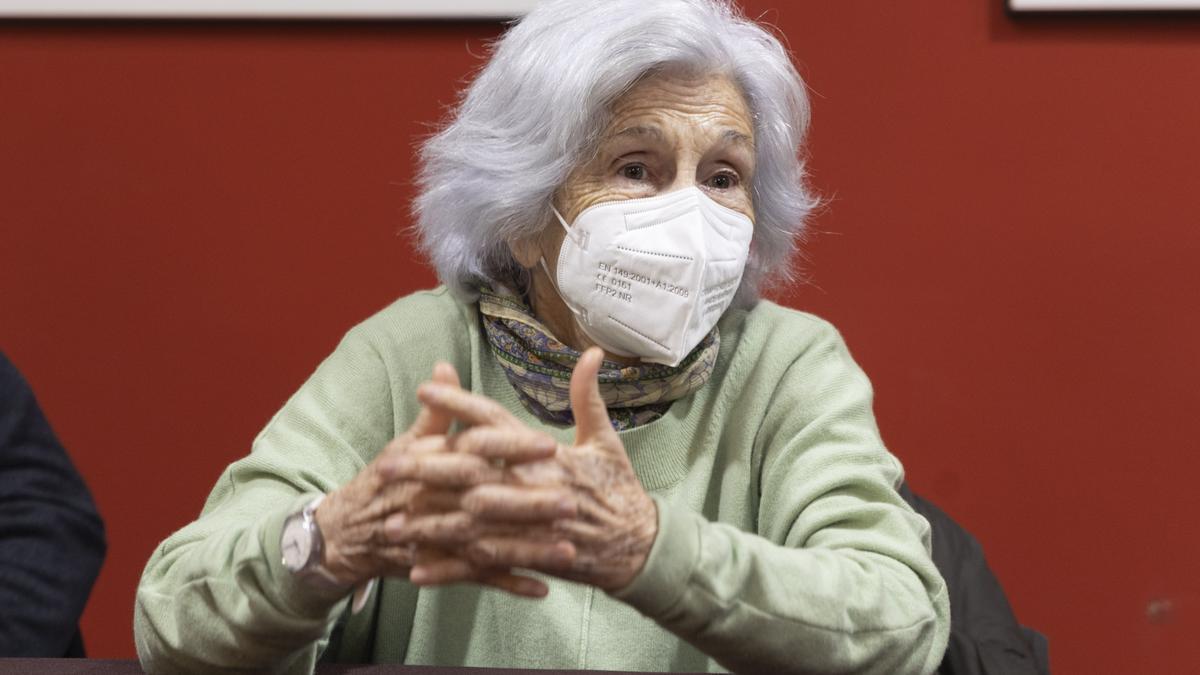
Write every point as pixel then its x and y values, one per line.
pixel 566 507
pixel 418 575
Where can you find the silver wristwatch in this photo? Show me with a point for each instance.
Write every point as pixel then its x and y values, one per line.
pixel 303 547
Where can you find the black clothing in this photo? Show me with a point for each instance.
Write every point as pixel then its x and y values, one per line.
pixel 51 537
pixel 985 638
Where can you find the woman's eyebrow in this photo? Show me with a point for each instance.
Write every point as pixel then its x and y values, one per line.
pixel 735 137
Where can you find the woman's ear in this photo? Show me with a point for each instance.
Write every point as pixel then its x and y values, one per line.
pixel 526 251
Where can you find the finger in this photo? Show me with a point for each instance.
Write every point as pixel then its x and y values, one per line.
pixel 431 421
pixel 406 443
pixel 443 470
pixel 397 559
pixel 395 454
pixel 462 405
pixel 518 504
pixel 444 373
pixel 425 555
pixel 515 552
pixel 439 529
pixel 591 415
pixel 428 444
pixel 511 444
pixel 517 584
pixel 448 570
pixel 428 499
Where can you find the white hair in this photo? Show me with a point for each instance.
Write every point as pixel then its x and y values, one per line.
pixel 537 109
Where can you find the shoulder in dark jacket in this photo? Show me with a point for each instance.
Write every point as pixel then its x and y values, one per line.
pixel 985 638
pixel 51 537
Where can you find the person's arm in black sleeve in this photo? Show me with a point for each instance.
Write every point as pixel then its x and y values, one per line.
pixel 985 638
pixel 51 536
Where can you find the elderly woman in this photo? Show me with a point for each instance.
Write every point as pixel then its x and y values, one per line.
pixel 624 459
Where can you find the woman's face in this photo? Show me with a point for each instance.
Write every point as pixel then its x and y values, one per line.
pixel 667 133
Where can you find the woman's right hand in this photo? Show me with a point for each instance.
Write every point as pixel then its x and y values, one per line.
pixel 352 517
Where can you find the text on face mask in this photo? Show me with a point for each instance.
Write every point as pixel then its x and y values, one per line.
pixel 616 282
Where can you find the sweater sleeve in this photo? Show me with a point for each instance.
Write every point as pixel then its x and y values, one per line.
pixel 838 576
pixel 215 594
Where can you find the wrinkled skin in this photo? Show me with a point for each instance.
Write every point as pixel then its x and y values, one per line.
pixel 473 505
pixel 352 518
pixel 667 133
pixel 480 504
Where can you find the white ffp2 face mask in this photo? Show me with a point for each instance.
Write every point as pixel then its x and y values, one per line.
pixel 650 277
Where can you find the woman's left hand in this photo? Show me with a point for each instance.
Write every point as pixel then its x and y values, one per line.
pixel 613 522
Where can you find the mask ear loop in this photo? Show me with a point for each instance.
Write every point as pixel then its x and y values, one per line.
pixel 542 257
pixel 581 242
pixel 546 268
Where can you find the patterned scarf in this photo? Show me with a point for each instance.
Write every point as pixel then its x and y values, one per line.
pixel 539 367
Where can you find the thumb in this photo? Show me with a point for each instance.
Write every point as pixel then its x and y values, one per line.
pixel 428 422
pixel 591 415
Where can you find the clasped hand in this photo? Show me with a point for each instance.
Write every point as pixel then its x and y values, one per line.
pixel 494 498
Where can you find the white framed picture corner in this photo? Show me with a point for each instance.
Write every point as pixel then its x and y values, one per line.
pixel 264 9
pixel 1033 6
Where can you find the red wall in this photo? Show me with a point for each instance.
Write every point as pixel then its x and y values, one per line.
pixel 192 214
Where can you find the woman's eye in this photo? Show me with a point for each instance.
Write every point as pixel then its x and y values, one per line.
pixel 633 172
pixel 723 181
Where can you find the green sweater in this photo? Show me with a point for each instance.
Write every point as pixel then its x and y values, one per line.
pixel 782 544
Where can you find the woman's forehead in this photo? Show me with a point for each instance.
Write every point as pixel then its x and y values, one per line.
pixel 660 105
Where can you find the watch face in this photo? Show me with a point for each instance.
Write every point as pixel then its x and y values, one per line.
pixel 296 543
